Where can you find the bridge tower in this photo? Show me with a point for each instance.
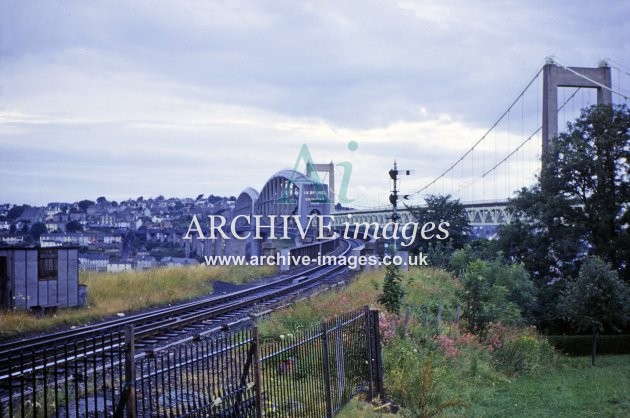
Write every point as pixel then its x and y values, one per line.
pixel 555 76
pixel 326 168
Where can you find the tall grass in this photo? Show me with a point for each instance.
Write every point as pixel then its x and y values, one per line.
pixel 423 286
pixel 119 293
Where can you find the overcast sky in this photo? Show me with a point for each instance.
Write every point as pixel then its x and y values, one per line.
pixel 142 98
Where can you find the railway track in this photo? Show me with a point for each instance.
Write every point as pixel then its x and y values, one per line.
pixel 182 322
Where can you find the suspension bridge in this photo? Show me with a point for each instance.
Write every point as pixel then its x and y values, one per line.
pixel 507 157
pixel 502 160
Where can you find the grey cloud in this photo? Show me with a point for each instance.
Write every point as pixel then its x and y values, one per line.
pixel 350 66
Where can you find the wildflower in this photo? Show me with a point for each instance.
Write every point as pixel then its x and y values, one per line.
pixel 447 346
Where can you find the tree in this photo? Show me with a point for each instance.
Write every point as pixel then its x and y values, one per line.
pixel 589 166
pixel 580 203
pixel 84 205
pixel 214 199
pixel 101 200
pixel 16 211
pixel 37 230
pixel 494 292
pixel 578 207
pixel 74 226
pixel 597 300
pixel 441 208
pixel 393 292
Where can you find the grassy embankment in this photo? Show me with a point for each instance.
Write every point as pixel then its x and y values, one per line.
pixel 113 293
pixel 511 371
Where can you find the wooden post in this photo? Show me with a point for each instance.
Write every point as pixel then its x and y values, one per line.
pixel 130 371
pixel 438 317
pixel 458 313
pixel 257 380
pixel 406 322
pixel 426 316
pixel 326 364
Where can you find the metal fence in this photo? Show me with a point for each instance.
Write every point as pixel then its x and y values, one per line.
pixel 311 373
pixel 74 379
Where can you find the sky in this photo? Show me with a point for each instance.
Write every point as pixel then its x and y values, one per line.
pixel 145 98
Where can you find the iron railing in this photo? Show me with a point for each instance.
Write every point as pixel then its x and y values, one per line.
pixel 310 373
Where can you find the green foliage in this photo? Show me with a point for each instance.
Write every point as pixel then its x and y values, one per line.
pixel 431 289
pixel 522 355
pixel 441 208
pixel 478 249
pixel 393 292
pixel 494 292
pixel 598 299
pixel 542 236
pixel 414 383
pixel 439 254
pixel 589 164
pixel 579 207
pixel 569 389
pixel 580 204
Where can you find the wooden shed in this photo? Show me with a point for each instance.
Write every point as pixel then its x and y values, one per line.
pixel 39 278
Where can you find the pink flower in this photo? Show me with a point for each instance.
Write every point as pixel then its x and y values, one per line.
pixel 447 346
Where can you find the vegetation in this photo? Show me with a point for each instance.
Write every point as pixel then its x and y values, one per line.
pixel 441 209
pixel 37 230
pixel 393 293
pixel 437 368
pixel 119 293
pixel 85 204
pixel 571 389
pixel 74 226
pixel 578 208
pixel 596 300
pixel 493 292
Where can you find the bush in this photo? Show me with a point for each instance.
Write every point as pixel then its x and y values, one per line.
pixel 414 383
pixel 496 292
pixel 523 355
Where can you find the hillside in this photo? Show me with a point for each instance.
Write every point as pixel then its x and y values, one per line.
pixel 445 369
